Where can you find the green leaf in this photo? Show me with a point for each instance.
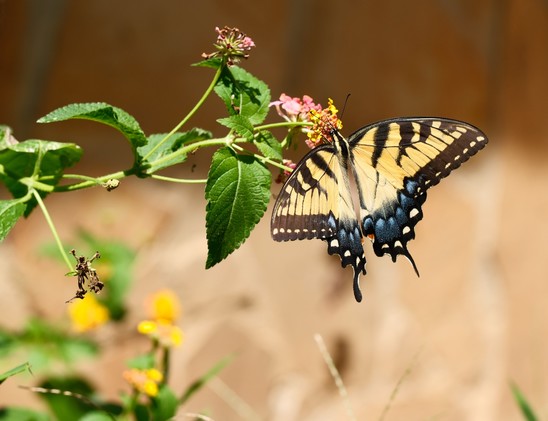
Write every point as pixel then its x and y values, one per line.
pixel 243 94
pixel 45 344
pixel 526 409
pixel 22 414
pixel 14 371
pixel 142 362
pixel 269 145
pixel 174 143
pixel 96 416
pixel 239 124
pixel 202 381
pixel 10 212
pixel 67 408
pixel 164 404
pixel 37 159
pixel 101 112
pixel 237 194
pixel 213 63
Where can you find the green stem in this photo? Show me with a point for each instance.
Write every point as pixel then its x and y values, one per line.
pixel 190 148
pixel 178 180
pixel 290 124
pixel 165 365
pixel 189 115
pixel 90 181
pixel 262 158
pixel 52 228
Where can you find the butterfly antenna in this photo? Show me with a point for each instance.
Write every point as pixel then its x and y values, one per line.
pixel 344 105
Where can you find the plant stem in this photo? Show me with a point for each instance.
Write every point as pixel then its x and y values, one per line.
pixel 178 180
pixel 52 228
pixel 90 181
pixel 262 158
pixel 189 115
pixel 188 149
pixel 291 124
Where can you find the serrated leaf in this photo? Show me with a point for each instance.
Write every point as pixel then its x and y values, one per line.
pixel 237 194
pixel 269 145
pixel 239 124
pixel 101 112
pixel 40 159
pixel 10 212
pixel 243 94
pixel 175 142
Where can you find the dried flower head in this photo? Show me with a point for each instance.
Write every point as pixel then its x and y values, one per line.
pixel 325 122
pixel 232 45
pixel 85 272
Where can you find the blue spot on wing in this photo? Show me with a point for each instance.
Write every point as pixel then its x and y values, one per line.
pixel 393 226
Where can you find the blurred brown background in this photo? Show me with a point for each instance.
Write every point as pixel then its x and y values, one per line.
pixel 475 320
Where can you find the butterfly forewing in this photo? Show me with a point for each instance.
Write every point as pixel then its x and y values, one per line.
pixel 316 202
pixel 395 162
pixel 306 207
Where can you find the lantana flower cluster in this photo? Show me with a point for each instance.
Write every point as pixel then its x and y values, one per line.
pixel 232 45
pixel 322 122
pixel 163 308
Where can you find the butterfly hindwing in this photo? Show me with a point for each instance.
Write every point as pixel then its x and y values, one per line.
pixel 315 202
pixel 395 162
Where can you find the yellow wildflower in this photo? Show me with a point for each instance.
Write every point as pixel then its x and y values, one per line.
pixel 167 334
pixel 145 381
pixel 87 314
pixel 164 305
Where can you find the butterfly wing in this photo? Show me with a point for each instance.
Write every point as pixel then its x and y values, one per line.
pixel 394 162
pixel 315 202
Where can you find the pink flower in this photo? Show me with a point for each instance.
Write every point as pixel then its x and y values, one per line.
pixel 295 109
pixel 282 176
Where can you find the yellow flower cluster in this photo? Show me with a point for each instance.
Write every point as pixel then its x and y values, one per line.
pixel 325 122
pixel 87 314
pixel 164 309
pixel 145 381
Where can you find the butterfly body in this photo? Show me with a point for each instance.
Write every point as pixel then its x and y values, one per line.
pixel 392 163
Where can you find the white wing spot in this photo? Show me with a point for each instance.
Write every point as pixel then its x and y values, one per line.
pixel 334 243
pixel 480 138
pixel 347 253
pixel 457 157
pixel 406 230
pixel 414 212
pixel 472 143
